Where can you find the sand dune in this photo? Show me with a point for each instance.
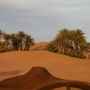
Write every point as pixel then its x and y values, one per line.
pixel 60 66
pixel 39 46
pixel 38 78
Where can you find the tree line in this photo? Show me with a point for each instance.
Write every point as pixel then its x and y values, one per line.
pixel 70 42
pixel 15 41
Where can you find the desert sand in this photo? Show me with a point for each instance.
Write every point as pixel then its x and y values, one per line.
pixel 20 62
pixel 38 78
pixel 39 46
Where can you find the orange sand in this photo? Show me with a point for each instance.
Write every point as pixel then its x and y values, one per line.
pixel 58 65
pixel 65 67
pixel 39 46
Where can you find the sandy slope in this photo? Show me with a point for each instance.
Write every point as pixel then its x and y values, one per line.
pixel 39 79
pixel 39 46
pixel 19 62
pixel 59 65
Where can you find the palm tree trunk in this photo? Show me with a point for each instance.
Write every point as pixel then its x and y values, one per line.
pixel 6 44
pixel 75 48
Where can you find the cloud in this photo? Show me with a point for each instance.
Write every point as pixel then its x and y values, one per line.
pixel 43 18
pixel 49 3
pixel 21 3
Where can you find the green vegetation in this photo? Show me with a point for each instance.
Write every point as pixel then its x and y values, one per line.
pixel 15 41
pixel 70 42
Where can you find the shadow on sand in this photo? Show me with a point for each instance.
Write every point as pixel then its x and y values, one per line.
pixel 39 78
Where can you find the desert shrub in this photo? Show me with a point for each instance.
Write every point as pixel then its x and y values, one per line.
pixel 51 47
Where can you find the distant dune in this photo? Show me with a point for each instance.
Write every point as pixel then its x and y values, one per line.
pixel 39 46
pixel 61 66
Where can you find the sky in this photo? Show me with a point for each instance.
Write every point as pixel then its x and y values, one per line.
pixel 43 19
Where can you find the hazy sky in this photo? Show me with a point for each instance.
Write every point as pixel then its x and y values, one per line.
pixel 44 18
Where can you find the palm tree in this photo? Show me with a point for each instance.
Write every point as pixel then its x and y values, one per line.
pixel 6 37
pixel 13 38
pixel 78 38
pixel 63 39
pixel 84 48
pixel 28 41
pixel 0 37
pixel 70 42
pixel 20 36
pixel 51 47
pixel 1 34
pixel 57 44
